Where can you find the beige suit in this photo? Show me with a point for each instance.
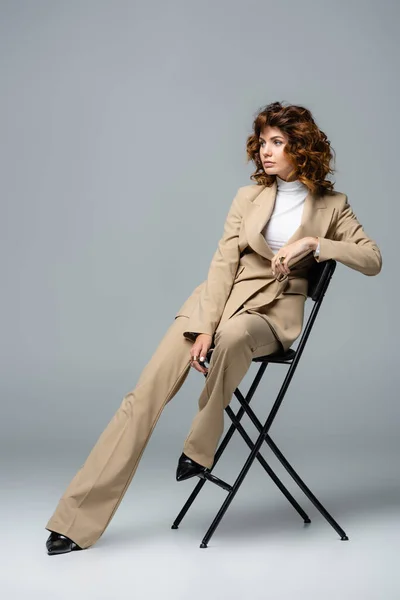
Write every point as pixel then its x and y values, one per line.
pixel 240 276
pixel 249 313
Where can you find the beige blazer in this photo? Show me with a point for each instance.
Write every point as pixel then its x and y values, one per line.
pixel 240 276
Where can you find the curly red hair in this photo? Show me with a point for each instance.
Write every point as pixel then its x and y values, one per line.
pixel 308 148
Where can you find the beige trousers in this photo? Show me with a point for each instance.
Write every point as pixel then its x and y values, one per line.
pixel 95 492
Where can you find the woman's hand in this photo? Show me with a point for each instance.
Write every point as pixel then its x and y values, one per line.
pixel 291 251
pixel 199 351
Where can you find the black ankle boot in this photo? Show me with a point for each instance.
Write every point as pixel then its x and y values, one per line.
pixel 59 544
pixel 188 468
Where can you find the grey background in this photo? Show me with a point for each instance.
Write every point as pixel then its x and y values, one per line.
pixel 123 129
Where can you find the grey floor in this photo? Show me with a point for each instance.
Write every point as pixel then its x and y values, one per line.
pixel 261 549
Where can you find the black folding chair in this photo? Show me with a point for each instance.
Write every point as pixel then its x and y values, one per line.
pixel 319 279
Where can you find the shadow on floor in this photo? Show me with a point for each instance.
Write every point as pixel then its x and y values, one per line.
pixel 258 519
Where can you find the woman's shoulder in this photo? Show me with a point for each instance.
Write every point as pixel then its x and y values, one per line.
pixel 250 192
pixel 334 198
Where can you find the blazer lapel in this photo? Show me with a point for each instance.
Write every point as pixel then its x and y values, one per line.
pixel 259 213
pixel 314 220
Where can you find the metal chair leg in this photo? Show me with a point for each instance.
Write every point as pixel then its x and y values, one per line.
pixel 222 446
pixel 233 492
pixel 268 469
pixel 305 489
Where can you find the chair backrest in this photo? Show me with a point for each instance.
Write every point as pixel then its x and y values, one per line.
pixel 318 279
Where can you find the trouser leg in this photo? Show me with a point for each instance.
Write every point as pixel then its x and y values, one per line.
pixel 237 342
pixel 95 492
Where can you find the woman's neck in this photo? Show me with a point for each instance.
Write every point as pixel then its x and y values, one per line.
pixel 289 186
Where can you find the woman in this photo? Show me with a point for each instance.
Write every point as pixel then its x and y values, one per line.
pixel 251 304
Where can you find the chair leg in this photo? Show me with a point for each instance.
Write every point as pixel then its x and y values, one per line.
pixel 268 469
pixel 255 448
pixel 188 503
pixel 221 447
pixel 230 496
pixel 263 436
pixel 236 425
pixel 305 489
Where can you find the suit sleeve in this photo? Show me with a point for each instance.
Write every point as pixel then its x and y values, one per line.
pixel 350 244
pixel 221 275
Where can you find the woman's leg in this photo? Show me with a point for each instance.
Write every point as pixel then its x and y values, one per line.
pixel 237 342
pixel 95 492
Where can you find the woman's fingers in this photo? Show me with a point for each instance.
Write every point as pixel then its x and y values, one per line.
pixel 274 266
pixel 277 267
pixel 285 265
pixel 203 355
pixel 198 353
pixel 281 268
pixel 196 365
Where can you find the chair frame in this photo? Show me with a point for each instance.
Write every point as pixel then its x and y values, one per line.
pixel 319 279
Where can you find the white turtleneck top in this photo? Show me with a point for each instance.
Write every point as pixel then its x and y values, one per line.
pixel 287 213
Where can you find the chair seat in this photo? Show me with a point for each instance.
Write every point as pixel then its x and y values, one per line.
pixel 278 357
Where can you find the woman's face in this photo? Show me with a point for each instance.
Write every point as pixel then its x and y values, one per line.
pixel 273 159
